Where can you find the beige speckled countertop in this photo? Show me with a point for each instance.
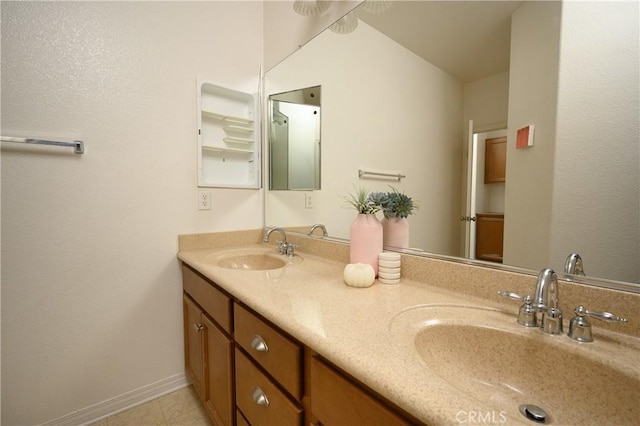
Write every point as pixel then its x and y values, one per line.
pixel 361 330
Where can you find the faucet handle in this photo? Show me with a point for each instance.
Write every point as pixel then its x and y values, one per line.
pixel 527 313
pixel 290 249
pixel 580 327
pixel 581 311
pixel 513 296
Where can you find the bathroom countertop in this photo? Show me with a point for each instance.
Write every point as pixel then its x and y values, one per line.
pixel 353 327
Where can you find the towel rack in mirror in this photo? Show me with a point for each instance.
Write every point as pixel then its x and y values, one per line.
pixel 366 173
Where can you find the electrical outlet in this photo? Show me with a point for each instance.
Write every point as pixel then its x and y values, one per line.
pixel 308 200
pixel 204 199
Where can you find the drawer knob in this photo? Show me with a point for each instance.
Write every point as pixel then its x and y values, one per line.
pixel 198 327
pixel 259 397
pixel 258 343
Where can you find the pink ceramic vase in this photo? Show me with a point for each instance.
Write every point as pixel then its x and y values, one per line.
pixel 395 231
pixel 366 240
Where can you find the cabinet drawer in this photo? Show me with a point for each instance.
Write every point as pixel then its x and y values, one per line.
pixel 337 401
pixel 280 356
pixel 240 420
pixel 279 410
pixel 215 302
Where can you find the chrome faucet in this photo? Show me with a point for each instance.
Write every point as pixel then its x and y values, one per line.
pixel 546 295
pixel 316 226
pixel 545 304
pixel 284 247
pixel 573 265
pixel 267 234
pixel 541 310
pixel 545 301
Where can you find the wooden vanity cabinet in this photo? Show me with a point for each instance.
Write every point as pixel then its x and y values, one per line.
pixel 275 352
pixel 495 160
pixel 260 399
pixel 193 344
pixel 269 364
pixel 489 236
pixel 208 347
pixel 337 400
pixel 237 361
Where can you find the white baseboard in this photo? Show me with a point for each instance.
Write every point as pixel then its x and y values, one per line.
pixel 121 403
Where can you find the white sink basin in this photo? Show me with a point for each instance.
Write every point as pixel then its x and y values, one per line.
pixel 254 260
pixel 257 262
pixel 487 356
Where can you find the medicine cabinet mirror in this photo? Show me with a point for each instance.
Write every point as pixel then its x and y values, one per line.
pixel 294 140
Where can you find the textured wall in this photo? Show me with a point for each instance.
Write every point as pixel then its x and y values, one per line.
pixel 575 76
pixel 91 300
pixel 596 198
pixel 533 83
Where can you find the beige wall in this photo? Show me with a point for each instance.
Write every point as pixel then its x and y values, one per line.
pixel 91 295
pixel 285 30
pixel 533 85
pixel 582 176
pixel 486 102
pixel 369 121
pixel 599 132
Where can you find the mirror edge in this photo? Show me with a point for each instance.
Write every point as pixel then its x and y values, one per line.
pixel 627 287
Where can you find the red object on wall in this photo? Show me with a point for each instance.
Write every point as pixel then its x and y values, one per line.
pixel 524 137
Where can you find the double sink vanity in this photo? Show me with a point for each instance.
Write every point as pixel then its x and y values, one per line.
pixel 276 339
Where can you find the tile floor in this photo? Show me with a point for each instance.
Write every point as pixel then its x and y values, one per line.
pixel 179 408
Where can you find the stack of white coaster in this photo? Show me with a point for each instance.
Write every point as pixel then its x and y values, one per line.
pixel 389 268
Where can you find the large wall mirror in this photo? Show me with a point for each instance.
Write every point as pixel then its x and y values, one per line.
pixel 399 94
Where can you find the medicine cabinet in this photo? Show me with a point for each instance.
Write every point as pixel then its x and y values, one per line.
pixel 228 137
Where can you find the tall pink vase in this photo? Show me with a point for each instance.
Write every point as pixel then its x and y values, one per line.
pixel 395 232
pixel 366 240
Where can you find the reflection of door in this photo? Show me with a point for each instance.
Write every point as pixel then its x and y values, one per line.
pixel 480 195
pixel 468 217
pixel 279 151
pixel 304 134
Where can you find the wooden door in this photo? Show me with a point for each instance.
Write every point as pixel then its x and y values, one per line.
pixel 489 238
pixel 218 374
pixel 193 344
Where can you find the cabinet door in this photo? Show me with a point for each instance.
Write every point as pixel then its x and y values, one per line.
pixel 337 401
pixel 495 160
pixel 193 344
pixel 219 374
pixel 489 237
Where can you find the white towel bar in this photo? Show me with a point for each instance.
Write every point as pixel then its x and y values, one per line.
pixel 78 146
pixel 365 173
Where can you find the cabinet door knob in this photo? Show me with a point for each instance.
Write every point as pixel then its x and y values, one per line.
pixel 198 327
pixel 258 343
pixel 259 397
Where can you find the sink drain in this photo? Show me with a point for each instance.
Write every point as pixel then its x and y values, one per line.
pixel 535 413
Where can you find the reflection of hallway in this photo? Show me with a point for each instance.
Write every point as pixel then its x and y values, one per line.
pixel 488 191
